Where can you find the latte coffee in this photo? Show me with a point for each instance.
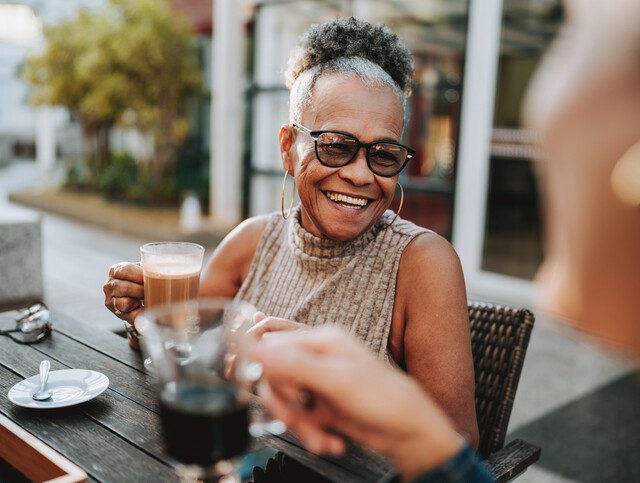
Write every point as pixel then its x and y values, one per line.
pixel 171 273
pixel 160 289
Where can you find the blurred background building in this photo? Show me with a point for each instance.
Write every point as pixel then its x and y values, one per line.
pixel 22 125
pixel 472 178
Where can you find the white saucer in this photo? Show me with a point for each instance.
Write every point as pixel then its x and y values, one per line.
pixel 69 387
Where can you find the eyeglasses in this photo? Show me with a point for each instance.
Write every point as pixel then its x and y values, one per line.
pixel 33 325
pixel 336 149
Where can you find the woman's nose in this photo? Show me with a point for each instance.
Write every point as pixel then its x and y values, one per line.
pixel 357 171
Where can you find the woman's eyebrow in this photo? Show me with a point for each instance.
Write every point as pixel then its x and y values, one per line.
pixel 378 140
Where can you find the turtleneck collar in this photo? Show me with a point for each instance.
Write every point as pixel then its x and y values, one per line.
pixel 304 243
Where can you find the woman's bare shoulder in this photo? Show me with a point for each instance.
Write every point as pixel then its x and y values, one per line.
pixel 241 242
pixel 229 265
pixel 250 230
pixel 430 271
pixel 431 249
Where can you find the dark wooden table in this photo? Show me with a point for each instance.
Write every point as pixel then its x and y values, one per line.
pixel 116 436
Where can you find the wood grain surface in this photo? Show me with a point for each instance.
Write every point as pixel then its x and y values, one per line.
pixel 117 436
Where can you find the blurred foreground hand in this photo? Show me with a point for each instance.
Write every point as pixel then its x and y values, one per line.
pixel 325 386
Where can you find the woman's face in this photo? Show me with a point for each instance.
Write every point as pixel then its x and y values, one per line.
pixel 347 104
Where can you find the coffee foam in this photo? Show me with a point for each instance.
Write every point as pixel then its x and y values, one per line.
pixel 165 265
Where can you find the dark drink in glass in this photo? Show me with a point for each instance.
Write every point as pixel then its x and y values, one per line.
pixel 203 424
pixel 203 401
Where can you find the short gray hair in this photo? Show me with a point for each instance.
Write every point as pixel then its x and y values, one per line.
pixel 348 46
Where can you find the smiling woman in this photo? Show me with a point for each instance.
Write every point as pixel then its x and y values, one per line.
pixel 343 104
pixel 342 257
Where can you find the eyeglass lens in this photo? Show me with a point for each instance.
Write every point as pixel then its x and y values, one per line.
pixel 385 159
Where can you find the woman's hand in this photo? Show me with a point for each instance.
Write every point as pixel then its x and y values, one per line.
pixel 353 395
pixel 264 324
pixel 124 290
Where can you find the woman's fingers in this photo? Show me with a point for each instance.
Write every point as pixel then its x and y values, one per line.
pixel 127 271
pixel 324 340
pixel 273 324
pixel 354 394
pixel 127 304
pixel 131 316
pixel 314 354
pixel 124 288
pixel 125 308
pixel 318 440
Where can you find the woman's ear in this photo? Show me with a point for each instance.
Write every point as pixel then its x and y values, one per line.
pixel 286 138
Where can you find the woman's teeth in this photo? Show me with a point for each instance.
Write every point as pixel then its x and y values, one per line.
pixel 347 200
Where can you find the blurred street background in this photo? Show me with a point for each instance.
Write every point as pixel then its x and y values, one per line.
pixel 92 158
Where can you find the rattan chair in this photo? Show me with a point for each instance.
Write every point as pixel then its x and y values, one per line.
pixel 499 340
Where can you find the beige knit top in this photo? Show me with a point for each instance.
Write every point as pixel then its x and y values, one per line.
pixel 315 281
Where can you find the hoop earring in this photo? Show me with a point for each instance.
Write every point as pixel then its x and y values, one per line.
pixel 293 195
pixel 399 207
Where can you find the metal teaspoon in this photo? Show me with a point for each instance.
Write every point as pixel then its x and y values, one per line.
pixel 41 395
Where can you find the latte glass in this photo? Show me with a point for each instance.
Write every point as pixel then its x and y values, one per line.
pixel 171 275
pixel 171 272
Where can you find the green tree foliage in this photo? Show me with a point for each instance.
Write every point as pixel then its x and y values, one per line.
pixel 132 63
pixel 119 177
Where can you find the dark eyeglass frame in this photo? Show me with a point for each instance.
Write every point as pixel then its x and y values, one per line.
pixel 34 324
pixel 316 134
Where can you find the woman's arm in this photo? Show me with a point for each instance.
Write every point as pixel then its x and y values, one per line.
pixel 430 329
pixel 229 265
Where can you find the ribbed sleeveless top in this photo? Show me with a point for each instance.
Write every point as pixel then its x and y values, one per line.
pixel 298 276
